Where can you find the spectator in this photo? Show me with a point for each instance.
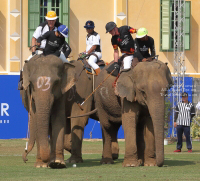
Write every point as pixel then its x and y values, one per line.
pixel 184 113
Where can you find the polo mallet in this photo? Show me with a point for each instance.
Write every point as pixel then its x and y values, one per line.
pixel 97 88
pixel 29 117
pixel 32 47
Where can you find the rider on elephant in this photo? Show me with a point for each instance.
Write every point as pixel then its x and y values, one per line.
pixel 142 45
pixel 49 25
pixel 121 37
pixel 56 42
pixel 93 46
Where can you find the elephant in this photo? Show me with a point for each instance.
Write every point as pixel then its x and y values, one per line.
pixel 131 106
pixel 45 83
pixel 142 91
pixel 75 126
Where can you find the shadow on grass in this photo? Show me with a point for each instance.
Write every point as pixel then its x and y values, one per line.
pixel 173 163
pixel 93 162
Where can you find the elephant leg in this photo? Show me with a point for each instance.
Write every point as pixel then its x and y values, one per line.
pixel 107 147
pixel 67 137
pixel 149 157
pixel 57 135
pixel 115 146
pixel 140 140
pixel 77 131
pixel 39 163
pixel 129 119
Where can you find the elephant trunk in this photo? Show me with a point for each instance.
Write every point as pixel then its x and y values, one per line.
pixel 156 109
pixel 43 111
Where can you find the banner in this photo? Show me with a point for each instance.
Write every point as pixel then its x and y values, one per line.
pixel 13 115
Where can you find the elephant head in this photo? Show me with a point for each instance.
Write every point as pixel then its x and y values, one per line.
pixel 148 83
pixel 47 79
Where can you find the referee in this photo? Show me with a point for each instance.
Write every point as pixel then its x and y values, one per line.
pixel 184 113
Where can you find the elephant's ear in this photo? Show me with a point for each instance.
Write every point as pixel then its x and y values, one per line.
pixel 26 76
pixel 68 77
pixel 125 87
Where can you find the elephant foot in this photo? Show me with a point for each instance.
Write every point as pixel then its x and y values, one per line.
pixel 141 162
pixel 74 159
pixel 131 163
pixel 150 162
pixel 115 156
pixel 41 165
pixel 106 161
pixel 115 150
pixel 57 164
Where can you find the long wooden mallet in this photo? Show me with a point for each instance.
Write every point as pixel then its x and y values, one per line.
pixel 97 87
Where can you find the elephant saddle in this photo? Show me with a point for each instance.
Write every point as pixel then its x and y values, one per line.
pixel 88 68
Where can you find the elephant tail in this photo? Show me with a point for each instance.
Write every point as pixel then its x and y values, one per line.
pixel 86 114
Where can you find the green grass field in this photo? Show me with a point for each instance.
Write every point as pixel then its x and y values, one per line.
pixel 177 166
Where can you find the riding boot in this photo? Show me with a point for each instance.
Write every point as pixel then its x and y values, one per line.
pixel 97 71
pixel 20 83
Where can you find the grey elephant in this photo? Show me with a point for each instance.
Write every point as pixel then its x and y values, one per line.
pixel 75 126
pixel 147 83
pixel 113 110
pixel 45 81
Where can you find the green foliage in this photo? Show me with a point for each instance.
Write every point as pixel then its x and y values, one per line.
pixel 195 127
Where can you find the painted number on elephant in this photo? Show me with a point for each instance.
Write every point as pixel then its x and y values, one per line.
pixel 104 92
pixel 43 82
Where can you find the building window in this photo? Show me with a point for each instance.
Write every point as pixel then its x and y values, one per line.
pixel 167 25
pixel 37 10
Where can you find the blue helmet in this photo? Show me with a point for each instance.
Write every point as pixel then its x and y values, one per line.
pixel 63 29
pixel 89 25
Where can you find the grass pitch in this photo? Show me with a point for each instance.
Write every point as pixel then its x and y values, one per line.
pixel 177 166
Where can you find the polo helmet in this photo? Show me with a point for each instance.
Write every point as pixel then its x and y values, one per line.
pixel 63 29
pixel 109 26
pixel 142 32
pixel 51 15
pixel 89 24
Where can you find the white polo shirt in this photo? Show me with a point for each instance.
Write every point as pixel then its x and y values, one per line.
pixel 93 39
pixel 42 29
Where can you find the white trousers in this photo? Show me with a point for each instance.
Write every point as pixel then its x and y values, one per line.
pixel 38 52
pixel 93 59
pixel 127 61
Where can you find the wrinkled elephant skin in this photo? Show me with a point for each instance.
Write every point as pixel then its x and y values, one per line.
pixel 78 93
pixel 45 81
pixel 145 83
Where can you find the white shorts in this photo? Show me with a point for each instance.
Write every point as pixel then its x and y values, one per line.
pixel 93 59
pixel 38 52
pixel 127 61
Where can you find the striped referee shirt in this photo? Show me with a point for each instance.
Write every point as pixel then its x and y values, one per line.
pixel 184 113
